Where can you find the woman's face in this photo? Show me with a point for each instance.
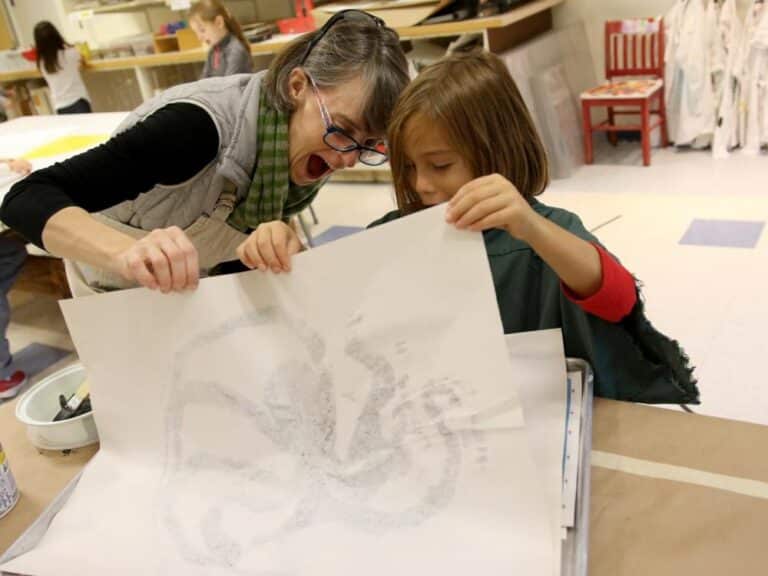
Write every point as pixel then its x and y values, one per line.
pixel 311 159
pixel 434 169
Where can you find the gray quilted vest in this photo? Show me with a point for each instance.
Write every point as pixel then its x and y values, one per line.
pixel 233 104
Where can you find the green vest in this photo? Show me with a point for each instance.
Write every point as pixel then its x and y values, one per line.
pixel 631 359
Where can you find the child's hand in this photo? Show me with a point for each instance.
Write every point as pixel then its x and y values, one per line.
pixel 270 247
pixel 20 165
pixel 491 202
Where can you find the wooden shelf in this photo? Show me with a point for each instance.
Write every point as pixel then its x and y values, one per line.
pixel 121 7
pixel 20 75
pixel 279 41
pixel 478 25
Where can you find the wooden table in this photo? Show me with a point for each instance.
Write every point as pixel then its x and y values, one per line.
pixel 676 494
pixel 40 474
pixel 654 507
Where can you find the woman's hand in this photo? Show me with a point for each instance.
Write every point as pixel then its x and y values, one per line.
pixel 164 260
pixel 491 202
pixel 270 247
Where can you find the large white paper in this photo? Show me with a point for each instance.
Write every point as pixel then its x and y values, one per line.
pixel 538 359
pixel 356 416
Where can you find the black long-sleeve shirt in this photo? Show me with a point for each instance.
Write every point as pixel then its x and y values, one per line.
pixel 168 147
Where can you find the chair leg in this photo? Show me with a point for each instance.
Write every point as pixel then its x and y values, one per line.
pixel 587 122
pixel 663 117
pixel 314 215
pixel 613 137
pixel 646 132
pixel 305 229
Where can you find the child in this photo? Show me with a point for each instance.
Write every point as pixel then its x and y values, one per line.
pixel 60 64
pixel 461 134
pixel 229 51
pixel 13 253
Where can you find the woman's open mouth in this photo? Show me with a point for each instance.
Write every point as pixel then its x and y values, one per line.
pixel 317 167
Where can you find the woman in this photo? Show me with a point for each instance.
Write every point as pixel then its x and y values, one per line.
pixel 201 171
pixel 60 64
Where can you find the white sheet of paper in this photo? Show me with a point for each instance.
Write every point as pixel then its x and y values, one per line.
pixel 538 360
pixel 359 415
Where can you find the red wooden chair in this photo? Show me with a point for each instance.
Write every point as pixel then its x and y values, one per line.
pixel 633 49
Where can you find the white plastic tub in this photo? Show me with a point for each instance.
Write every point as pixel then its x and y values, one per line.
pixel 40 404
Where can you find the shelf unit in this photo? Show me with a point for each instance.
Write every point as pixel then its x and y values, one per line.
pixel 499 33
pixel 133 6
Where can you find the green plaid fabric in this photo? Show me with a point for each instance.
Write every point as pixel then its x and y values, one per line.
pixel 272 195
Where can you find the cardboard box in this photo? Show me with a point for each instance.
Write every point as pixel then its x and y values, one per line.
pixel 396 13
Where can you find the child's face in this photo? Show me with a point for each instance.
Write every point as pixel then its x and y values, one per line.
pixel 209 33
pixel 435 170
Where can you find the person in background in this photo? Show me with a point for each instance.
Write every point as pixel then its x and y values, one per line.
pixel 60 64
pixel 229 51
pixel 13 253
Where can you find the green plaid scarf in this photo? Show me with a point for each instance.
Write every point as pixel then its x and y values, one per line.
pixel 272 195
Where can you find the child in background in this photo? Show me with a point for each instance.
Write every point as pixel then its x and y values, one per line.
pixel 60 64
pixel 462 135
pixel 13 253
pixel 229 51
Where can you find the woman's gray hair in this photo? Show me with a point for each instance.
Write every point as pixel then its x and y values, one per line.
pixel 351 47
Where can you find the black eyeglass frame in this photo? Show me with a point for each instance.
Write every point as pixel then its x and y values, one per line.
pixel 368 155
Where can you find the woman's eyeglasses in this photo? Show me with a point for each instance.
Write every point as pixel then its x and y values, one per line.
pixel 373 152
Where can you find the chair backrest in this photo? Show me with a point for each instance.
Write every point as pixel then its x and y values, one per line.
pixel 634 48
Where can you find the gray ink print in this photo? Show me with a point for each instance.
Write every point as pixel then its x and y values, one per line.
pixel 398 467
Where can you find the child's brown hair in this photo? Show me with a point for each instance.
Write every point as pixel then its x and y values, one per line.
pixel 48 44
pixel 475 100
pixel 208 10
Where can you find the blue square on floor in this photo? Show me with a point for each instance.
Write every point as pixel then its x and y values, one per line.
pixel 727 233
pixel 334 233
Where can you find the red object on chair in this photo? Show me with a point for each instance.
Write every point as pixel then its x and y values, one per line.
pixel 302 22
pixel 633 49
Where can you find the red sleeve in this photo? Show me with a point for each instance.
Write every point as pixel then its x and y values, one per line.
pixel 616 296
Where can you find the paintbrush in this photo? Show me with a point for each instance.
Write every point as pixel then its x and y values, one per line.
pixel 76 404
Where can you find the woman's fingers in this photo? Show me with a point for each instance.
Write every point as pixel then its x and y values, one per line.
pixel 270 247
pixel 164 260
pixel 190 257
pixel 267 249
pixel 138 271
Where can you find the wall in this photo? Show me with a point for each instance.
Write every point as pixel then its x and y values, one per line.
pixel 594 13
pixel 24 14
pixel 7 35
